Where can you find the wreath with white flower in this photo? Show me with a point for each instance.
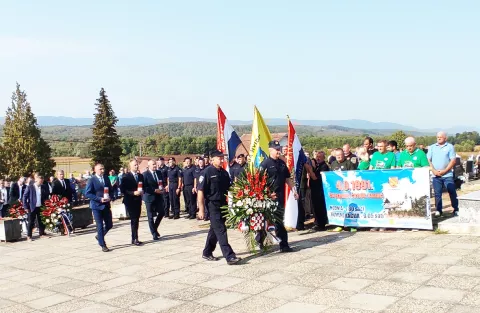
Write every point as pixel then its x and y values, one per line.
pixel 252 209
pixel 56 215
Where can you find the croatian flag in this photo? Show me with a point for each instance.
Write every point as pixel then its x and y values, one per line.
pixel 296 160
pixel 227 139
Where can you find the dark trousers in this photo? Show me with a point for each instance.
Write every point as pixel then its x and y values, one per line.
pixel 301 210
pixel 449 183
pixel 4 211
pixel 103 220
pixel 319 206
pixel 218 233
pixel 166 203
pixel 190 200
pixel 174 200
pixel 31 218
pixel 134 212
pixel 154 209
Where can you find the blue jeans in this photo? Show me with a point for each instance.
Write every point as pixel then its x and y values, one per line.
pixel 101 217
pixel 438 183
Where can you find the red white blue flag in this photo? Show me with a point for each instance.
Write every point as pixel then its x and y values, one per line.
pixel 227 139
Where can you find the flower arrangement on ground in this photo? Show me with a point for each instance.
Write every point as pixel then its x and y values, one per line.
pixel 251 209
pixel 17 211
pixel 56 215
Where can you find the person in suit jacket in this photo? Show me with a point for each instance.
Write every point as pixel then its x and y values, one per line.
pixel 17 190
pixel 61 186
pixel 34 197
pixel 95 192
pixel 153 197
pixel 133 198
pixel 3 199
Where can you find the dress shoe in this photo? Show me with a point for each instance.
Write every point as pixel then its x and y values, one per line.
pixel 96 238
pixel 136 242
pixel 29 239
pixel 155 237
pixel 192 217
pixel 187 217
pixel 176 217
pixel 206 219
pixel 286 250
pixel 105 249
pixel 210 258
pixel 319 228
pixel 157 233
pixel 233 261
pixel 170 217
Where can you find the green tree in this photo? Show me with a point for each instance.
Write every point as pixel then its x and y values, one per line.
pixel 106 146
pixel 24 151
pixel 399 137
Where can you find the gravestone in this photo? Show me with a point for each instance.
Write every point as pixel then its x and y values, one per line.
pixel 468 219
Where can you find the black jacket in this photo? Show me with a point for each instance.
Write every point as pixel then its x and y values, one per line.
pixel 58 189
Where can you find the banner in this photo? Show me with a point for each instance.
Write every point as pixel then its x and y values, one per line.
pixel 397 198
pixel 259 141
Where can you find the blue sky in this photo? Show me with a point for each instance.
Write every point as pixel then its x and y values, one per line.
pixel 376 60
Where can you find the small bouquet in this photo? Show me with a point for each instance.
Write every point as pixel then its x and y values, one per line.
pixel 56 215
pixel 17 210
pixel 252 209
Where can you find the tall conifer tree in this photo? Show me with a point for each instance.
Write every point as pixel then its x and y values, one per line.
pixel 24 151
pixel 106 146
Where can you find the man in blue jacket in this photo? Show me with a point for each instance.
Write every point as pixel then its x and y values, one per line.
pixel 100 191
pixel 33 198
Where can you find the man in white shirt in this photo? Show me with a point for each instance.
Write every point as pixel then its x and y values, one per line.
pixel 3 199
pixel 33 199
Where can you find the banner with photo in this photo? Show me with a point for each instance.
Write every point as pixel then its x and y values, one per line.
pixel 398 198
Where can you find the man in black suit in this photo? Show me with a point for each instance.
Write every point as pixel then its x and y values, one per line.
pixel 133 198
pixel 153 197
pixel 34 197
pixel 17 190
pixel 61 186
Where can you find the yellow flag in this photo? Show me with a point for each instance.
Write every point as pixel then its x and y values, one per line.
pixel 260 139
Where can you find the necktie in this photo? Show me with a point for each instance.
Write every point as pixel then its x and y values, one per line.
pixel 136 178
pixel 101 179
pixel 63 184
pixel 20 191
pixel 155 176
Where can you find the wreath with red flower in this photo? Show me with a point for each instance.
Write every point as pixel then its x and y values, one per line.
pixel 56 215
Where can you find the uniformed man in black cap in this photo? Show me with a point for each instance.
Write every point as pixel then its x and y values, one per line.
pixel 190 197
pixel 213 185
pixel 199 170
pixel 238 167
pixel 206 159
pixel 174 183
pixel 278 174
pixel 163 168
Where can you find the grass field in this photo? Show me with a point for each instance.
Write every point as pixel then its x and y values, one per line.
pixel 73 165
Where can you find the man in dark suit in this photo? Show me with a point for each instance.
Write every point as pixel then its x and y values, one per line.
pixel 133 198
pixel 34 197
pixel 100 203
pixel 4 192
pixel 153 197
pixel 17 190
pixel 62 187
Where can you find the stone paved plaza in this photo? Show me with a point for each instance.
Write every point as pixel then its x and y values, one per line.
pixel 328 272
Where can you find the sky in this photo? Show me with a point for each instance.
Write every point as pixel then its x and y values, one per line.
pixel 410 62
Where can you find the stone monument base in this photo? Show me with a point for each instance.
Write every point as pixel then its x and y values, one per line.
pixel 119 212
pixel 468 219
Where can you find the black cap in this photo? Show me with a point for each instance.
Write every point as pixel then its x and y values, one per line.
pixel 274 144
pixel 216 153
pixel 205 155
pixel 161 158
pixel 171 159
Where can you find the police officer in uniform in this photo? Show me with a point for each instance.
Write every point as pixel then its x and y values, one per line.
pixel 162 168
pixel 318 197
pixel 174 184
pixel 238 167
pixel 213 185
pixel 189 195
pixel 199 172
pixel 278 174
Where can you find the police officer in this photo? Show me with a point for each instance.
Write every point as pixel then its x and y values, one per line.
pixel 199 172
pixel 278 173
pixel 349 155
pixel 206 160
pixel 189 195
pixel 318 197
pixel 238 167
pixel 162 168
pixel 174 184
pixel 341 163
pixel 213 185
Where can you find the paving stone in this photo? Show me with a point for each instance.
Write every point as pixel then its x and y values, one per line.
pixel 276 277
pixel 69 306
pixel 286 292
pixel 448 260
pixel 222 298
pixel 418 306
pixel 37 294
pixel 463 271
pixel 454 282
pixel 97 308
pixel 471 299
pixel 370 302
pixel 6 303
pixel 191 307
pixel 46 302
pixel 409 277
pixel 194 279
pixel 333 270
pixel 253 287
pixel 255 304
pixel 309 280
pixel 425 268
pixel 222 282
pixel 463 309
pixel 439 294
pixel 463 246
pixel 322 259
pixel 70 285
pixel 368 273
pixel 157 305
pixel 349 284
pixel 130 299
pixel 470 260
pixel 107 295
pixel 191 293
pixel 299 307
pixel 120 281
pixel 18 308
pixel 390 288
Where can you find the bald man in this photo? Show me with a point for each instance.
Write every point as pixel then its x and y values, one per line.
pixel 442 158
pixel 133 198
pixel 412 157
